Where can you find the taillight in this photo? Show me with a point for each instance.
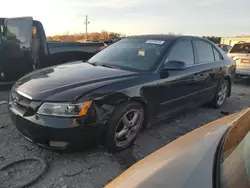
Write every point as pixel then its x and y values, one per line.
pixel 232 57
pixel 102 47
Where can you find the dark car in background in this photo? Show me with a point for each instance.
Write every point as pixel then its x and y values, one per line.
pixel 128 86
pixel 241 55
pixel 24 48
pixel 226 48
pixel 213 156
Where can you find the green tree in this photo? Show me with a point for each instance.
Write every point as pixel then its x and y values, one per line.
pixel 94 37
pixel 104 35
pixel 114 35
pixel 214 39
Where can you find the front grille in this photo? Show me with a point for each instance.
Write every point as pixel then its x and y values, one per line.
pixel 19 102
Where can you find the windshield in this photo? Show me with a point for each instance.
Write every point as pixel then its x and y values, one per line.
pixel 133 54
pixel 241 48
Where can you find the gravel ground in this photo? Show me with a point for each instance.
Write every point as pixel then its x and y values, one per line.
pixel 95 168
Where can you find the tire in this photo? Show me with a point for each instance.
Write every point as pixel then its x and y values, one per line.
pixel 126 121
pixel 221 94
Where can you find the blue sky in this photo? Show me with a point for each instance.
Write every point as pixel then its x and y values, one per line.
pixel 191 17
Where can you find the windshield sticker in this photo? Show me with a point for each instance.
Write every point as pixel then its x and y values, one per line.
pixel 155 42
pixel 141 53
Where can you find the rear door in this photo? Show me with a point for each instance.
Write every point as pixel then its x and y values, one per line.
pixel 210 65
pixel 16 56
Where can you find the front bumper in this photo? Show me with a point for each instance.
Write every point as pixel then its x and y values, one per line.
pixel 43 130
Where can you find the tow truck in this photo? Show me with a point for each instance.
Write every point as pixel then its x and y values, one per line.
pixel 24 48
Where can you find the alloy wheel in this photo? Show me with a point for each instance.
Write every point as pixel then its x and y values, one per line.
pixel 128 127
pixel 222 94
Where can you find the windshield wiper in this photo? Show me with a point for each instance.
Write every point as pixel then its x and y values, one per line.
pixel 94 64
pixel 102 65
pixel 109 66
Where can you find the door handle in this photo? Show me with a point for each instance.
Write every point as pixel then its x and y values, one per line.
pixel 197 75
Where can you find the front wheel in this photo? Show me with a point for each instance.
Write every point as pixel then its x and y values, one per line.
pixel 124 126
pixel 221 94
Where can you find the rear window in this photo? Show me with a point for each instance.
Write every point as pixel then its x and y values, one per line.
pixel 17 31
pixel 241 48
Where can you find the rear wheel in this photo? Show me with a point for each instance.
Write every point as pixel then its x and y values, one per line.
pixel 221 94
pixel 124 126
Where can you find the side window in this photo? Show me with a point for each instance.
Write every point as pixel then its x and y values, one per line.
pixel 182 51
pixel 217 55
pixel 18 31
pixel 204 52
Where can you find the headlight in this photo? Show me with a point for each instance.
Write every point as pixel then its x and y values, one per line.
pixel 64 109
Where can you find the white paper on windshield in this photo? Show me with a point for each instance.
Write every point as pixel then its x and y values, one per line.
pixel 155 42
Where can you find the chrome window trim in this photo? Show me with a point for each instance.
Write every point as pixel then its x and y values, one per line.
pixel 24 94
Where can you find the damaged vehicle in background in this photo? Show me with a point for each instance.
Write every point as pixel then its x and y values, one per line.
pixel 126 87
pixel 241 55
pixel 224 47
pixel 24 48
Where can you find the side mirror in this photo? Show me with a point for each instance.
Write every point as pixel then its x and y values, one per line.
pixel 174 65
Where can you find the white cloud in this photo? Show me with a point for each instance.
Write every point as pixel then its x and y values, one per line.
pixel 106 3
pixel 136 16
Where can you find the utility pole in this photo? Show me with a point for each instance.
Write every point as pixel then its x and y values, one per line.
pixel 86 25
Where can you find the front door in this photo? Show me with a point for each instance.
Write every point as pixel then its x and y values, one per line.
pixel 178 87
pixel 15 53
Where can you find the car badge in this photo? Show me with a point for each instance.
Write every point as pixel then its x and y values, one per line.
pixel 16 100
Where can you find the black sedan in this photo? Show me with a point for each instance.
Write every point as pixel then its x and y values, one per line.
pixel 126 87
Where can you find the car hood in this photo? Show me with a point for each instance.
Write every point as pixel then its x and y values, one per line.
pixel 48 83
pixel 187 162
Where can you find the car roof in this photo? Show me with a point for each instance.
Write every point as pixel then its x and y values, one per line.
pixel 161 37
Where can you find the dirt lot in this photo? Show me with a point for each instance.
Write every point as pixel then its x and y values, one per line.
pixel 96 166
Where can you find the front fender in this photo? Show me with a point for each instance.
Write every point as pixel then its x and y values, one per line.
pixel 107 99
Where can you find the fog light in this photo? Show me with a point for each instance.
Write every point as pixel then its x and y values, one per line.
pixel 58 144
